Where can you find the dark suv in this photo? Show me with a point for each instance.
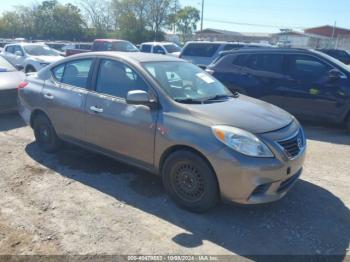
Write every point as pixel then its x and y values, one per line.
pixel 307 83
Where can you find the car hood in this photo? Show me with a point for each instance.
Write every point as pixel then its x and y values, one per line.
pixel 175 54
pixel 10 80
pixel 48 59
pixel 245 113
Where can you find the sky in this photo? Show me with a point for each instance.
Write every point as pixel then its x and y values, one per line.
pixel 266 16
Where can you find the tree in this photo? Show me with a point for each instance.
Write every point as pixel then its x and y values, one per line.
pixel 11 24
pixel 133 21
pixel 159 13
pixel 98 14
pixel 186 21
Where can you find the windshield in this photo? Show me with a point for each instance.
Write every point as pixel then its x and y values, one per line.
pixel 172 48
pixel 40 50
pixel 186 83
pixel 123 47
pixel 5 66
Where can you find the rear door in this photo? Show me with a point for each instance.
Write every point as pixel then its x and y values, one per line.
pixel 64 97
pixel 114 126
pixel 310 92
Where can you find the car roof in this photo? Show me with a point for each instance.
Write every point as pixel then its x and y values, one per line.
pixel 267 50
pixel 157 43
pixel 137 57
pixel 110 40
pixel 25 44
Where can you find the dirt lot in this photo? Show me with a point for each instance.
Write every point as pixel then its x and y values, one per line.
pixel 77 202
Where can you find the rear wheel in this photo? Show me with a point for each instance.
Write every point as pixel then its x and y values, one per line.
pixel 45 134
pixel 190 181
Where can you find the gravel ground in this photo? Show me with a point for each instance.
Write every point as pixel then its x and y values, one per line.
pixel 77 202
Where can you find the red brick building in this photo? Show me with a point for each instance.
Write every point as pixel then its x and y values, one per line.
pixel 328 30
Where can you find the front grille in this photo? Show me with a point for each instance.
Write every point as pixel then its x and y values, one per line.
pixel 294 145
pixel 285 185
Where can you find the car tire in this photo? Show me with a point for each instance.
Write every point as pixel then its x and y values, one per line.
pixel 30 69
pixel 190 181
pixel 45 134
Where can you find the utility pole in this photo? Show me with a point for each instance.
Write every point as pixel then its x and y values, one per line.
pixel 175 12
pixel 202 15
pixel 333 33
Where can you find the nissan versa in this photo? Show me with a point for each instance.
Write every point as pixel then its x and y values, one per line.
pixel 169 117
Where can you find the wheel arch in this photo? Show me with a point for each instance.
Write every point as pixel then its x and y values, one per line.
pixel 29 66
pixel 176 148
pixel 35 113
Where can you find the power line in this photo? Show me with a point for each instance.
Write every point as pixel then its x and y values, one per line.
pixel 251 24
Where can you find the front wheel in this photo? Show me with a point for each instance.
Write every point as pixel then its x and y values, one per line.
pixel 190 181
pixel 45 134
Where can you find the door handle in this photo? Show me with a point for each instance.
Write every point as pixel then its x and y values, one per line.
pixel 49 96
pixel 96 109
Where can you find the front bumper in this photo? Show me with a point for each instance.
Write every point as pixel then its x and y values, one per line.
pixel 249 180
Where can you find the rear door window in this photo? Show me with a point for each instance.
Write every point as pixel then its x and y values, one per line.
pixel 76 73
pixel 265 62
pixel 146 48
pixel 201 50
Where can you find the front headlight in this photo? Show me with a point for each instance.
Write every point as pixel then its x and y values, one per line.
pixel 241 141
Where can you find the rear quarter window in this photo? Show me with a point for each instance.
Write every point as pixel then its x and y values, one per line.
pixel 201 50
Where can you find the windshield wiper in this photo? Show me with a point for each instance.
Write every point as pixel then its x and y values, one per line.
pixel 188 101
pixel 218 98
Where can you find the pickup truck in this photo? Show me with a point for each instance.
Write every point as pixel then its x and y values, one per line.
pixel 105 45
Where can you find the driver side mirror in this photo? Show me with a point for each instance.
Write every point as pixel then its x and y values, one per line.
pixel 335 74
pixel 18 53
pixel 139 97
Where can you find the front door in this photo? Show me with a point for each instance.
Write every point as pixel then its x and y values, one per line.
pixel 113 125
pixel 310 92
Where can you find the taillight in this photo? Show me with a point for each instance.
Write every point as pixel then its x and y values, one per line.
pixel 22 85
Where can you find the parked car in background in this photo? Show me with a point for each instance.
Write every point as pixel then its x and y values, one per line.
pixel 204 141
pixel 341 55
pixel 76 46
pixel 163 48
pixel 32 57
pixel 10 78
pixel 100 45
pixel 203 53
pixel 307 83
